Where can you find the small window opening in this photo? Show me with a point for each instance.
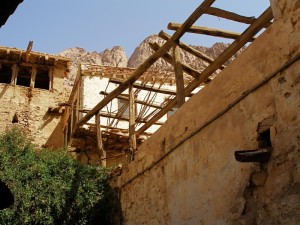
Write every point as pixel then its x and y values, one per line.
pixel 24 76
pixel 15 118
pixel 5 73
pixel 264 139
pixel 42 79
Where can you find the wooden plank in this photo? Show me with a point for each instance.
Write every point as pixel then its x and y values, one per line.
pixel 99 136
pixel 209 31
pixel 153 105
pixel 132 137
pixel 252 30
pixel 147 64
pixel 147 88
pixel 189 49
pixel 168 58
pixel 232 16
pixel 179 76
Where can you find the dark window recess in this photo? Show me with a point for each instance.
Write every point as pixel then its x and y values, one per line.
pixel 42 79
pixel 5 73
pixel 264 139
pixel 24 76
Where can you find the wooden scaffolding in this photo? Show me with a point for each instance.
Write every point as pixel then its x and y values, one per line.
pixel 187 79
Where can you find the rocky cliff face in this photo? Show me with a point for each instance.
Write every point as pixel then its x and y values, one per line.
pixel 110 57
pixel 117 56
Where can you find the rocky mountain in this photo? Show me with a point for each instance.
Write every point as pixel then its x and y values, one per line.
pixel 110 57
pixel 117 56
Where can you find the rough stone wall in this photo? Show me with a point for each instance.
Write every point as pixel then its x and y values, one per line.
pixel 183 175
pixel 31 106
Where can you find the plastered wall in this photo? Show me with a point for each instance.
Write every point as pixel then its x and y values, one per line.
pixel 31 106
pixel 184 175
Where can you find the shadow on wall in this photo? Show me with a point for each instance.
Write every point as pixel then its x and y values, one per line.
pixel 56 138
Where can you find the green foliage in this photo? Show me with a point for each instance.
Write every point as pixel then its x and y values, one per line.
pixel 50 187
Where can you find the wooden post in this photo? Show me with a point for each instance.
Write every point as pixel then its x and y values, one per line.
pixel 178 75
pixel 33 75
pixel 14 74
pixel 99 135
pixel 132 137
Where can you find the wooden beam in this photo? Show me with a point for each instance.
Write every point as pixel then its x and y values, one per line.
pixel 149 62
pixel 189 49
pixel 132 137
pixel 113 116
pixel 252 30
pixel 113 128
pixel 179 76
pixel 232 16
pixel 147 88
pixel 153 105
pixel 209 31
pixel 168 58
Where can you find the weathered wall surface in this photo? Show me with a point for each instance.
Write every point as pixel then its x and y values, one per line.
pixel 31 106
pixel 184 176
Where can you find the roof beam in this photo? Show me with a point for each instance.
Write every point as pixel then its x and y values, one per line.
pixel 147 88
pixel 209 31
pixel 231 16
pixel 157 106
pixel 147 64
pixel 252 30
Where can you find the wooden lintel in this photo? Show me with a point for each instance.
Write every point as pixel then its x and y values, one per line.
pixel 189 49
pixel 232 16
pixel 252 30
pixel 157 106
pixel 179 75
pixel 149 62
pixel 209 31
pixel 169 59
pixel 147 88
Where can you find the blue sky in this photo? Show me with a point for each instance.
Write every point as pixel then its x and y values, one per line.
pixel 55 25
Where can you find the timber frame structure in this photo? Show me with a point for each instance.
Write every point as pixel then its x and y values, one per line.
pixel 184 87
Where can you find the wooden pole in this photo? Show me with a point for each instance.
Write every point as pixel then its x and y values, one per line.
pixel 231 16
pixel 209 31
pixel 179 76
pixel 253 29
pixel 99 135
pixel 149 62
pixel 132 137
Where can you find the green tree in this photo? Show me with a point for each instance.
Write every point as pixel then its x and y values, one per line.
pixel 50 187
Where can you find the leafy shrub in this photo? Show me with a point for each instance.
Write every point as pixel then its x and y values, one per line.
pixel 50 187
